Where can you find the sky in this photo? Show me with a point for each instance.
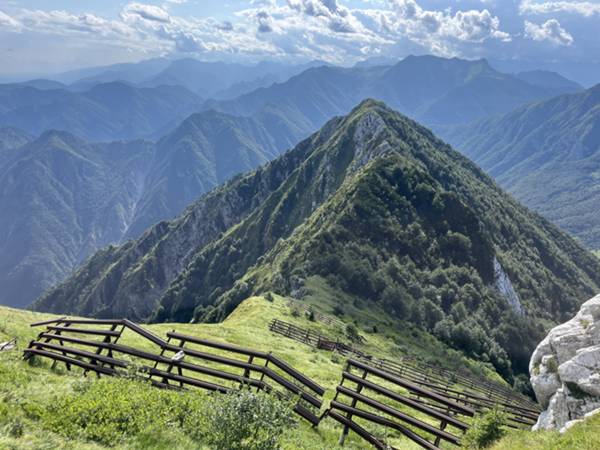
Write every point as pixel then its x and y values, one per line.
pixel 51 36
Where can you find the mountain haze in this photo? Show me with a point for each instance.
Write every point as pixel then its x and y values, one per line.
pixel 105 112
pixel 63 198
pixel 378 208
pixel 435 91
pixel 548 155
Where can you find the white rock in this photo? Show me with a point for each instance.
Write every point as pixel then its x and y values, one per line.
pixel 565 369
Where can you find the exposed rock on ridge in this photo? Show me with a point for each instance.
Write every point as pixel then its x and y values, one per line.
pixel 565 369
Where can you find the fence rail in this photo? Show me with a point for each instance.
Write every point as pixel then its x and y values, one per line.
pixel 313 339
pixel 405 395
pixel 190 363
pixel 384 394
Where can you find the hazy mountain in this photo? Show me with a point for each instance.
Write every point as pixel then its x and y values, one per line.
pixel 210 79
pixel 437 91
pixel 586 73
pixel 206 150
pixel 548 79
pixel 381 211
pixel 43 84
pixel 105 112
pixel 126 72
pixel 62 198
pixel 11 138
pixel 548 155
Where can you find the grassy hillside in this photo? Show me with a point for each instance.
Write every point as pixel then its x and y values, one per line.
pixel 26 389
pixel 29 392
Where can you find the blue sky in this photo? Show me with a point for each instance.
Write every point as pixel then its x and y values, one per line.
pixel 47 36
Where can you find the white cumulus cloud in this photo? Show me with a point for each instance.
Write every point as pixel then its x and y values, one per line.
pixel 8 23
pixel 135 11
pixel 550 30
pixel 586 9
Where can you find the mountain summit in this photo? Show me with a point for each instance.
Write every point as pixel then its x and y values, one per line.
pixel 379 210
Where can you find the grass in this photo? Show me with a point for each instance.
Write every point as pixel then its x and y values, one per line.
pixel 26 389
pixel 583 436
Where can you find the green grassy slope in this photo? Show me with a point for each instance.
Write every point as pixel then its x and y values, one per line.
pixel 26 389
pixel 23 384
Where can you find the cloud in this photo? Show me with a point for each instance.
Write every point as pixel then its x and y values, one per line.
pixel 548 31
pixel 440 32
pixel 265 22
pixel 310 29
pixel 65 23
pixel 333 15
pixel 225 26
pixel 135 11
pixel 7 23
pixel 586 9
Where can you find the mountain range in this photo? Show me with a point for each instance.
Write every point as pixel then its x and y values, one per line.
pixel 105 112
pixel 194 156
pixel 547 155
pixel 62 198
pixel 437 92
pixel 121 104
pixel 380 210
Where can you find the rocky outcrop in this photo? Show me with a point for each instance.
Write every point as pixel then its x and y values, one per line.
pixel 565 369
pixel 506 288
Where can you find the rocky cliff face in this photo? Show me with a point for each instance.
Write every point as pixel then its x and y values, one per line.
pixel 565 369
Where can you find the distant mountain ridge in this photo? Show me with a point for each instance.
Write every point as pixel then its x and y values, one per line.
pixel 63 198
pixel 377 207
pixel 548 155
pixel 435 91
pixel 106 112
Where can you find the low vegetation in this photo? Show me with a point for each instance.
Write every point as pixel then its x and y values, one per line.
pixel 41 407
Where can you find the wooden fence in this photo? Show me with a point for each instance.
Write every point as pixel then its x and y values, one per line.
pixel 313 339
pixel 480 386
pixel 93 345
pixel 459 387
pixel 319 317
pixel 377 397
pixel 405 395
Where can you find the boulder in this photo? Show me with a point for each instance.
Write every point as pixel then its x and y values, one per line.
pixel 565 369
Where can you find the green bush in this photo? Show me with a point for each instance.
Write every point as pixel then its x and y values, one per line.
pixel 246 421
pixel 352 333
pixel 485 430
pixel 108 411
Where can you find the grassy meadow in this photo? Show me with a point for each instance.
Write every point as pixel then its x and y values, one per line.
pixel 32 394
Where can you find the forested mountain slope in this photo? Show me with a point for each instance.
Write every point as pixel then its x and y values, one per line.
pixel 548 156
pixel 383 211
pixel 62 198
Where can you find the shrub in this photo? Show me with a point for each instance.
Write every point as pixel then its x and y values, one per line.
pixel 246 421
pixel 109 410
pixel 352 333
pixel 338 311
pixel 485 430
